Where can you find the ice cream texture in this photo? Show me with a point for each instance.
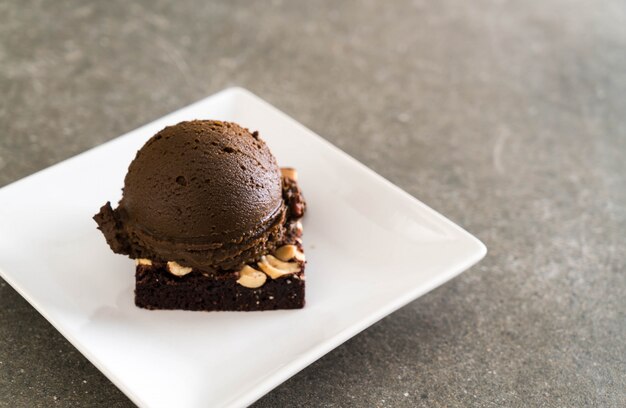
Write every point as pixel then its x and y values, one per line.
pixel 206 194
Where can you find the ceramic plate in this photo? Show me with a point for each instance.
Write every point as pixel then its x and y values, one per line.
pixel 371 248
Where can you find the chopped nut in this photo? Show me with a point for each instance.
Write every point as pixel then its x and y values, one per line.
pixel 290 173
pixel 251 278
pixel 299 228
pixel 289 252
pixel 276 268
pixel 143 261
pixel 178 270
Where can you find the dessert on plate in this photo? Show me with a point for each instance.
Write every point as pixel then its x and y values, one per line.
pixel 211 220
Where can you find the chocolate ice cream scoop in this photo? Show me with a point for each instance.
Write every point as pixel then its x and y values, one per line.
pixel 205 194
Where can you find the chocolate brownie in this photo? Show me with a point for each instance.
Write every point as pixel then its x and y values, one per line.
pixel 211 220
pixel 157 288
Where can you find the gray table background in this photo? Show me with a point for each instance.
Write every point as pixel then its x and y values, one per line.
pixel 508 117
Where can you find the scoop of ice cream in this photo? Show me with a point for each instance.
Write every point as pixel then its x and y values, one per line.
pixel 206 194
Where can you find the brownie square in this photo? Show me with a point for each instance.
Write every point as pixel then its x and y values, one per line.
pixel 156 288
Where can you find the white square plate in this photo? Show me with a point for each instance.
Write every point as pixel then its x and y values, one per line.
pixel 371 247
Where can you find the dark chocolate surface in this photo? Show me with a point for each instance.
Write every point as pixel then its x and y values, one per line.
pixel 203 193
pixel 156 288
pixel 203 182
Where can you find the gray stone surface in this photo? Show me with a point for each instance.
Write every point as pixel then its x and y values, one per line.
pixel 508 117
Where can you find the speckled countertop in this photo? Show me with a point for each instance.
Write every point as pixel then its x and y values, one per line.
pixel 508 117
